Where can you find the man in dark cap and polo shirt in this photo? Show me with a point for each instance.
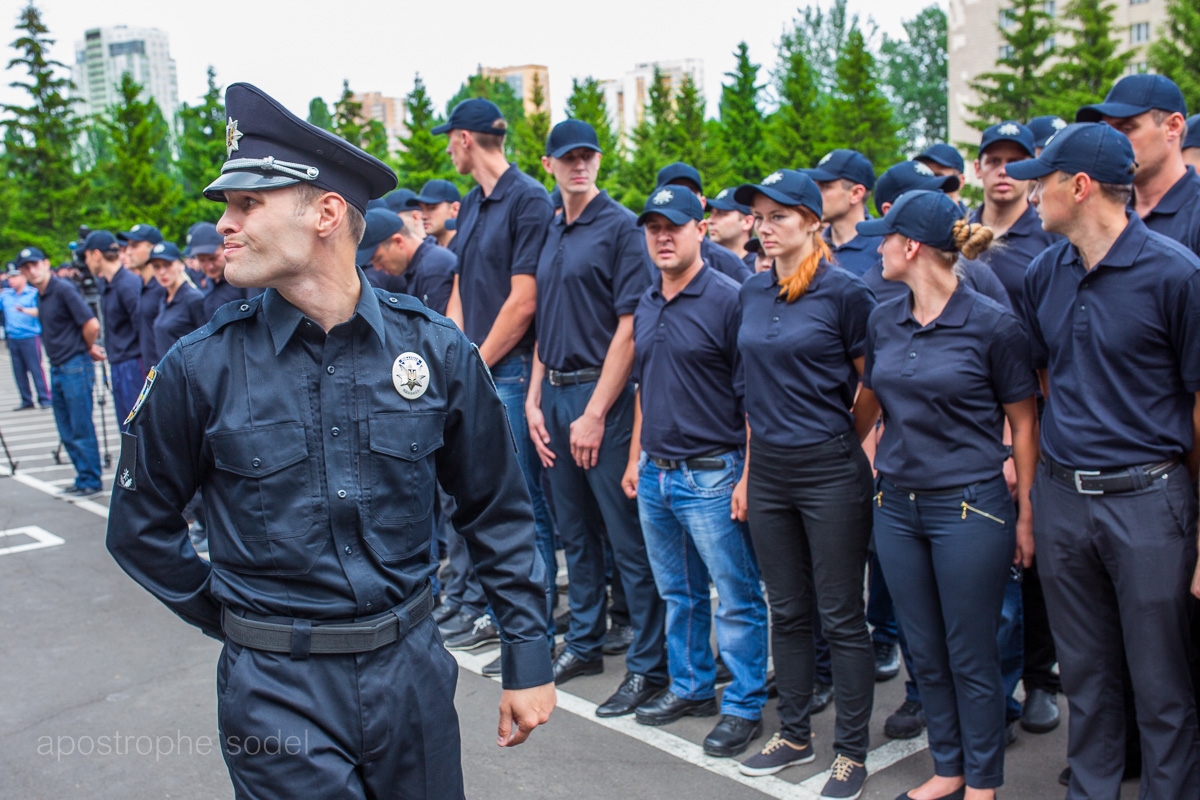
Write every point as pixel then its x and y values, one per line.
pixel 1043 128
pixel 396 249
pixel 120 292
pixel 401 203
pixel 731 225
pixel 501 227
pixel 592 271
pixel 318 450
pixel 138 241
pixel 207 248
pixel 945 160
pixel 845 178
pixel 1191 142
pixel 1151 112
pixel 438 201
pixel 720 258
pixel 1113 314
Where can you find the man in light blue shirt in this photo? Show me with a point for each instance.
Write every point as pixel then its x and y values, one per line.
pixel 21 326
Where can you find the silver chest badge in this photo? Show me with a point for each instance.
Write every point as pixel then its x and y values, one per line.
pixel 410 375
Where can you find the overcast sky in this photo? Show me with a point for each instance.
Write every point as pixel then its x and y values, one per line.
pixel 300 49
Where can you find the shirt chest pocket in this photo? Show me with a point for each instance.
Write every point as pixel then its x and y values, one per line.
pixel 401 480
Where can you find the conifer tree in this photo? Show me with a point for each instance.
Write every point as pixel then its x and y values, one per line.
pixel 1175 51
pixel 915 71
pixel 1090 64
pixel 741 124
pixel 860 111
pixel 1014 90
pixel 201 148
pixel 796 132
pixel 422 155
pixel 587 104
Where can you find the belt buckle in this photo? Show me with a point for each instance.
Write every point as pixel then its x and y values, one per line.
pixel 1080 474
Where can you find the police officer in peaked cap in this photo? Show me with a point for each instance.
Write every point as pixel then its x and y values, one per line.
pixel 318 418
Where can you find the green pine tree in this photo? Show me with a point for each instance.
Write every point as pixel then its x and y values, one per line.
pixel 915 71
pixel 796 134
pixel 741 126
pixel 352 124
pixel 587 103
pixel 1091 63
pixel 648 145
pixel 201 147
pixel 46 192
pixel 1175 52
pixel 532 132
pixel 1015 90
pixel 318 114
pixel 422 155
pixel 863 112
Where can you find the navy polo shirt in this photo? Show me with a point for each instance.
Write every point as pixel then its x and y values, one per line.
pixel 723 260
pixel 590 273
pixel 857 255
pixel 798 357
pixel 219 293
pixel 974 274
pixel 1177 215
pixel 177 318
pixel 942 387
pixel 499 236
pixel 687 365
pixel 1119 343
pixel 751 262
pixel 118 303
pixel 1013 252
pixel 430 275
pixel 152 297
pixel 62 312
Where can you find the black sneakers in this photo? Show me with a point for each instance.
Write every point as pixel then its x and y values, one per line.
pixel 846 779
pixel 777 754
pixel 482 632
pixel 907 722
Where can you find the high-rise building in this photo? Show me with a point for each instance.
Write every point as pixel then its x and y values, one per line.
pixel 105 54
pixel 522 79
pixel 975 45
pixel 389 111
pixel 627 97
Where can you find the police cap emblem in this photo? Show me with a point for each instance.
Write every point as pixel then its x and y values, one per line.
pixel 1058 124
pixel 410 375
pixel 824 159
pixel 922 169
pixel 232 135
pixel 663 197
pixel 721 194
pixel 774 177
pixel 1008 129
pixel 26 253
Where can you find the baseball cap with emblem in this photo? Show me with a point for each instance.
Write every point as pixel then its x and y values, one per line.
pixel 382 224
pixel 165 251
pixel 724 202
pixel 477 114
pixel 204 240
pixel 436 191
pixel 268 147
pixel 944 155
pixel 676 173
pixel 674 203
pixel 571 134
pixel 908 176
pixel 788 187
pixel 399 201
pixel 100 240
pixel 1136 94
pixel 1094 148
pixel 849 165
pixel 923 216
pixel 29 255
pixel 1008 131
pixel 1043 128
pixel 141 233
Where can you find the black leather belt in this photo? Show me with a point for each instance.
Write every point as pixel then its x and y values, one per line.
pixel 1094 481
pixel 300 637
pixel 589 375
pixel 709 461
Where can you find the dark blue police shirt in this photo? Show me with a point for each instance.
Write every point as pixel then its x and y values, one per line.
pixel 857 255
pixel 62 312
pixel 590 273
pixel 152 297
pixel 319 478
pixel 430 275
pixel 688 368
pixel 974 274
pixel 1119 343
pixel 1177 215
pixel 219 293
pixel 1013 252
pixel 751 262
pixel 499 236
pixel 942 387
pixel 118 305
pixel 798 357
pixel 177 318
pixel 723 260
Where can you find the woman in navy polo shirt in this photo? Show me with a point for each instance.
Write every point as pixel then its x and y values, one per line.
pixel 948 365
pixel 807 484
pixel 182 310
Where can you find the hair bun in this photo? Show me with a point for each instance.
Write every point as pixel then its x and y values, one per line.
pixel 971 239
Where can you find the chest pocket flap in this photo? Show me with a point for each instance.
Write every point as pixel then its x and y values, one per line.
pixel 407 435
pixel 258 452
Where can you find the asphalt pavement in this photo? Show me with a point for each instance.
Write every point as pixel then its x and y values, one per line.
pixel 109 695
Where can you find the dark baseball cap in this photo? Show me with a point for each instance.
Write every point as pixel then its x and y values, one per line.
pixel 29 255
pixel 788 187
pixel 382 224
pixel 1136 94
pixel 943 154
pixel 724 202
pixel 674 203
pixel 399 201
pixel 436 191
pixel 204 240
pixel 678 171
pixel 849 165
pixel 1097 149
pixel 755 246
pixel 141 233
pixel 571 134
pixel 476 114
pixel 165 251
pixel 1193 132
pixel 100 240
pixel 1043 128
pixel 910 176
pixel 1008 131
pixel 923 216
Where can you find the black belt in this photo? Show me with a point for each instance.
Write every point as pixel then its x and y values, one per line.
pixel 709 461
pixel 589 375
pixel 300 637
pixel 1094 481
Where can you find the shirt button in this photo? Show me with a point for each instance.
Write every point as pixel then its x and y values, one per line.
pixel 336 431
pixel 414 447
pixel 662 324
pixel 348 550
pixel 245 307
pixel 368 606
pixel 329 369
pixel 912 355
pixel 775 319
pixel 912 497
pixel 342 493
pixel 390 300
pixel 256 463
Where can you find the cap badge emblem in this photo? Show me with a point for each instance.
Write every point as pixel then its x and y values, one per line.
pixel 410 375
pixel 824 158
pixel 774 177
pixel 663 197
pixel 922 169
pixel 721 194
pixel 1008 129
pixel 232 135
pixel 1058 124
pixel 26 253
pixel 158 248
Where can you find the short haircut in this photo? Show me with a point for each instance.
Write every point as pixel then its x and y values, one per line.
pixel 491 141
pixel 1117 192
pixel 306 193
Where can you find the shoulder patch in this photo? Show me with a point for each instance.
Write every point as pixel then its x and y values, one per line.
pixel 151 376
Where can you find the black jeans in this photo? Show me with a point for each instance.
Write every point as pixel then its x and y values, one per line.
pixel 810 520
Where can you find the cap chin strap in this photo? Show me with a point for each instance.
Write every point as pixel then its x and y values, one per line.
pixel 269 164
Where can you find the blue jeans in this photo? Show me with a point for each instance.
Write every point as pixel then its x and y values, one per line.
pixel 126 381
pixel 71 396
pixel 690 538
pixel 1011 641
pixel 27 363
pixel 511 375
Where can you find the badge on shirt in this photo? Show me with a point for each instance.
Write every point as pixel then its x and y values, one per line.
pixel 410 375
pixel 146 387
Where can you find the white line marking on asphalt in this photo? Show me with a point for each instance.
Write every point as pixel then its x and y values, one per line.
pixel 41 538
pixel 47 488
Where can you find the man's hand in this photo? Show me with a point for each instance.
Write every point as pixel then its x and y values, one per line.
pixel 536 421
pixel 1196 582
pixel 739 505
pixel 97 353
pixel 587 433
pixel 629 481
pixel 522 710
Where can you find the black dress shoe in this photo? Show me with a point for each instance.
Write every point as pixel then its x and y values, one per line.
pixel 887 661
pixel 617 640
pixel 732 736
pixel 955 795
pixel 458 624
pixel 562 623
pixel 444 612
pixel 633 692
pixel 822 696
pixel 568 665
pixel 668 707
pixel 1040 712
pixel 492 668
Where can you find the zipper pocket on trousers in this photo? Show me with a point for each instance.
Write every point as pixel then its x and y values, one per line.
pixel 879 499
pixel 967 508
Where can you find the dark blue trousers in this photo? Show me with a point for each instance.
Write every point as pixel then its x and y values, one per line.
pixel 954 551
pixel 27 363
pixel 360 725
pixel 126 380
pixel 589 504
pixel 1116 570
